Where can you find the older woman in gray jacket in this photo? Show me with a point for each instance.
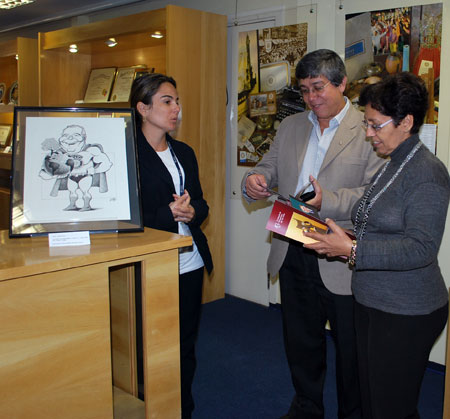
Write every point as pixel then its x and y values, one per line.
pixel 401 298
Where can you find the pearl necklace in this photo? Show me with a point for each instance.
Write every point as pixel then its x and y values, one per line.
pixel 360 225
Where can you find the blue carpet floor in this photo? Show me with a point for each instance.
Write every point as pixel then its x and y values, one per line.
pixel 242 371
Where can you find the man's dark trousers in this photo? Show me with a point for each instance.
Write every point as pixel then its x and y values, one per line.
pixel 306 306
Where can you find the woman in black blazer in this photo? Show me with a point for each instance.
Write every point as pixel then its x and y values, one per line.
pixel 172 200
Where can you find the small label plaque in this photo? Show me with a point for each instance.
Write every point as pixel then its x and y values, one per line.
pixel 76 238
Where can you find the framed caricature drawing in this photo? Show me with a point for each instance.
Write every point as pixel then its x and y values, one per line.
pixel 74 169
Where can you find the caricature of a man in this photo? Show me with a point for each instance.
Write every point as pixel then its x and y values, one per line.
pixel 77 167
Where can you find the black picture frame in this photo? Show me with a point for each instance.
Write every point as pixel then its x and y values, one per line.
pixel 74 169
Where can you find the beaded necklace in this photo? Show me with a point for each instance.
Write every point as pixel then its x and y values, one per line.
pixel 364 207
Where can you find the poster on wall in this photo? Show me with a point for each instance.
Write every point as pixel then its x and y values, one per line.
pixel 267 91
pixel 383 42
pixel 248 80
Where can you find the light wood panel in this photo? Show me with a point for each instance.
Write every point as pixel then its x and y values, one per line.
pixel 6 117
pixel 127 406
pixel 23 70
pixel 123 328
pixel 8 74
pixel 28 72
pixel 32 256
pixel 160 327
pixel 151 56
pixel 8 66
pixel 63 77
pixel 8 48
pixel 55 349
pixel 55 333
pixel 203 124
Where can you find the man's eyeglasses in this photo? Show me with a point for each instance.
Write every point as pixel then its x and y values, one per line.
pixel 375 127
pixel 317 89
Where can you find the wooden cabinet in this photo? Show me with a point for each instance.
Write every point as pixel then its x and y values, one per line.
pixel 59 321
pixel 193 51
pixel 18 63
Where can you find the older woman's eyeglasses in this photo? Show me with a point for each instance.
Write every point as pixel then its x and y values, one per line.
pixel 375 127
pixel 317 89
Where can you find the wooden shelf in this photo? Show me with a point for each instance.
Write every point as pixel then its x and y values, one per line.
pixel 6 108
pixel 102 105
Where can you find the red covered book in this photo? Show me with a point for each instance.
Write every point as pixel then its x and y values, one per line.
pixel 290 222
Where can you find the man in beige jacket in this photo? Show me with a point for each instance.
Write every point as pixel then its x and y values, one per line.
pixel 327 144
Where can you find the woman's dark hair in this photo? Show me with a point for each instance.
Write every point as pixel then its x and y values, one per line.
pixel 145 87
pixel 396 96
pixel 322 62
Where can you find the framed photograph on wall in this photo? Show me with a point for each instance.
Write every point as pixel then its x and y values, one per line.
pixel 74 169
pixel 263 103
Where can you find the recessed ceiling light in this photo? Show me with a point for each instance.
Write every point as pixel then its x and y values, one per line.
pixel 157 34
pixel 73 48
pixel 9 4
pixel 111 42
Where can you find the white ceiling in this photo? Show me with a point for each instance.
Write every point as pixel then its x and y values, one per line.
pixel 42 11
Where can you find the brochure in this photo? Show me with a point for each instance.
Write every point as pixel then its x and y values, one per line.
pixel 292 221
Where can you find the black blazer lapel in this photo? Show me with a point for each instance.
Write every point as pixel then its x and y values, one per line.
pixel 152 163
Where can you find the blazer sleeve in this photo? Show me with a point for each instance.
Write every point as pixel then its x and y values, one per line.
pixel 159 217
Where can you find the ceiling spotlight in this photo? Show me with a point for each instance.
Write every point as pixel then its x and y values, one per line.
pixel 111 42
pixel 17 56
pixel 73 48
pixel 157 34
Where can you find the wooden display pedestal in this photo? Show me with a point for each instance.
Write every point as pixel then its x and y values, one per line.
pixel 63 322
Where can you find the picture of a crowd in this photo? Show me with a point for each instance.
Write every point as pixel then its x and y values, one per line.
pixel 390 30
